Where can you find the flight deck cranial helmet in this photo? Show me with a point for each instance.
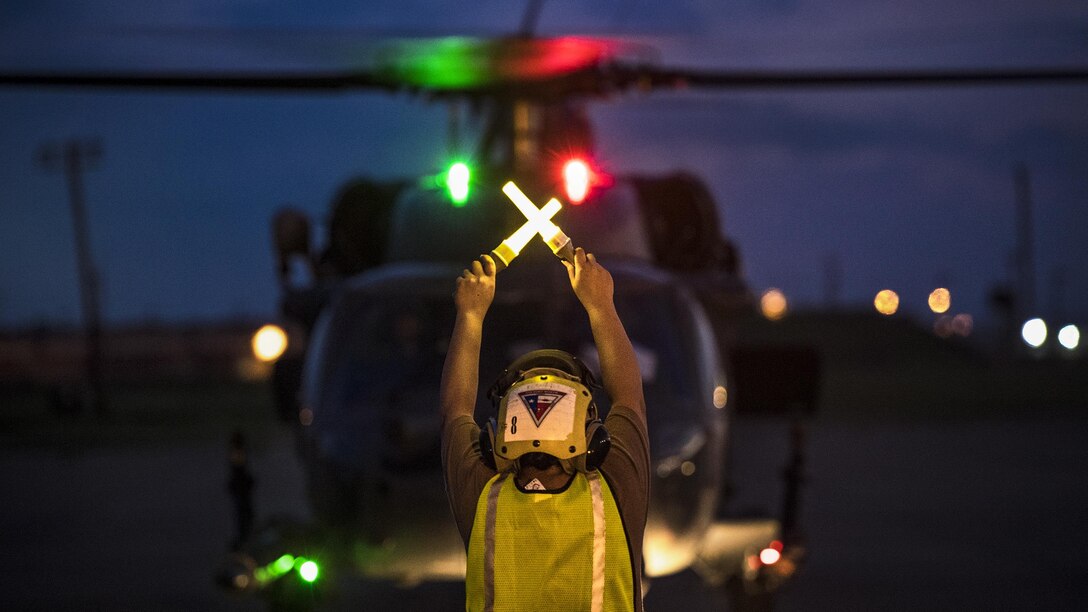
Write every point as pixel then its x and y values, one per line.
pixel 545 405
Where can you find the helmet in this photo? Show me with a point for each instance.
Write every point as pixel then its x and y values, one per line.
pixel 544 402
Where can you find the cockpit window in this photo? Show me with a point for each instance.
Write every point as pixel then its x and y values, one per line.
pixel 384 352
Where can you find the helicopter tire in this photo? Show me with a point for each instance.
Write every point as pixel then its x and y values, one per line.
pixel 743 598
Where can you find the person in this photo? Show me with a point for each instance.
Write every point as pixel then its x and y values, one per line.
pixel 551 508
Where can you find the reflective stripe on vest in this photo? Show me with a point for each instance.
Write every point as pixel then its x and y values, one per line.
pixel 548 551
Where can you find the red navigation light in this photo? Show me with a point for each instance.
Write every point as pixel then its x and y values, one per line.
pixel 577 179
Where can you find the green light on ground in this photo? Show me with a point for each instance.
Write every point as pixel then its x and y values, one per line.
pixel 283 565
pixel 308 571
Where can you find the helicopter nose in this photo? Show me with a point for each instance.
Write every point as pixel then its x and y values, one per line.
pixel 410 442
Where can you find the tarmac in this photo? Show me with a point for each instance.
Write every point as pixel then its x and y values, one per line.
pixel 904 516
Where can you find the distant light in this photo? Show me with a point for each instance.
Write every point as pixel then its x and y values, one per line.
pixel 721 396
pixel 943 326
pixel 269 343
pixel 306 416
pixel 308 571
pixel 963 324
pixel 886 302
pixel 687 468
pixel 769 556
pixel 576 180
pixel 1034 332
pixel 457 182
pixel 1069 337
pixel 773 303
pixel 940 300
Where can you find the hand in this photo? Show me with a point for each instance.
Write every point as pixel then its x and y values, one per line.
pixel 591 282
pixel 476 287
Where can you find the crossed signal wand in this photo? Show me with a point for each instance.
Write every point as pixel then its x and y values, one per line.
pixel 538 221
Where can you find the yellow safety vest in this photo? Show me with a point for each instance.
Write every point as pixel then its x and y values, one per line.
pixel 556 552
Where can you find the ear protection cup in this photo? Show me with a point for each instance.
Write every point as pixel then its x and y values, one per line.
pixel 598 442
pixel 487 443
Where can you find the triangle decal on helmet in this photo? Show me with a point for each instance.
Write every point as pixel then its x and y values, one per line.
pixel 540 403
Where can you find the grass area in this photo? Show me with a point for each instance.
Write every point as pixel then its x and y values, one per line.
pixel 139 413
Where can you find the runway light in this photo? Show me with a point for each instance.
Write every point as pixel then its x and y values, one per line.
pixel 940 300
pixel 576 180
pixel 1069 337
pixel 1034 333
pixel 886 302
pixel 773 304
pixel 721 396
pixel 269 343
pixel 457 182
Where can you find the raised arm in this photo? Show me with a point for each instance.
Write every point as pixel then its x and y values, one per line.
pixel 619 367
pixel 461 372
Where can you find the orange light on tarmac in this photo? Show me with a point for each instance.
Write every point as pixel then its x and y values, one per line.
pixel 269 343
pixel 886 302
pixel 940 300
pixel 773 304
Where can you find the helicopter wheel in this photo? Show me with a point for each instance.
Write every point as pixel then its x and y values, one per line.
pixel 747 597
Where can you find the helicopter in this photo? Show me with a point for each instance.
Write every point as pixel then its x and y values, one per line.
pixel 375 347
pixel 363 397
pixel 375 320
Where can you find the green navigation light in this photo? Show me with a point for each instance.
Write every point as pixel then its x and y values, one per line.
pixel 457 183
pixel 308 571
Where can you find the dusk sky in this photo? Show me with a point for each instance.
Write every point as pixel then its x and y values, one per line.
pixel 907 188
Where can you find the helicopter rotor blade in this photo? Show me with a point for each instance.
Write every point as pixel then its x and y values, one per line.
pixel 657 78
pixel 589 80
pixel 251 81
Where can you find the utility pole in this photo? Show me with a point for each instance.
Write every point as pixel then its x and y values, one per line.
pixel 74 157
pixel 1025 247
pixel 832 280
